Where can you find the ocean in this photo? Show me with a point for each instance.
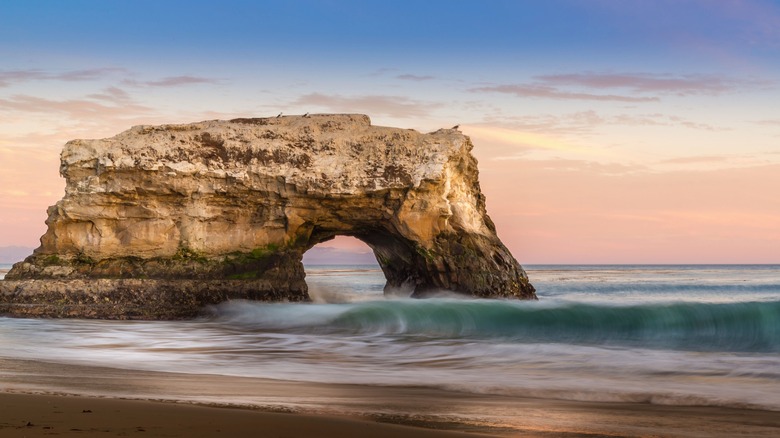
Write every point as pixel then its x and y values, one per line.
pixel 687 335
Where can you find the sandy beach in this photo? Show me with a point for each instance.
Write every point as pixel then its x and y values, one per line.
pixel 25 415
pixel 45 399
pixel 36 415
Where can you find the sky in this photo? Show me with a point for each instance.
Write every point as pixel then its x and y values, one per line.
pixel 606 131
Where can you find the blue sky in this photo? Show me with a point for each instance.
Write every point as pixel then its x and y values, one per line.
pixel 337 41
pixel 559 32
pixel 606 130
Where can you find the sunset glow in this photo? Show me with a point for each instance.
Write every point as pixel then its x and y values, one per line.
pixel 606 132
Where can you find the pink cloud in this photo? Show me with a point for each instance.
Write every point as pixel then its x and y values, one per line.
pixel 172 81
pixel 9 77
pixel 648 83
pixel 547 92
pixel 14 76
pixel 585 122
pixel 569 86
pixel 579 166
pixel 416 78
pixel 88 74
pixel 75 108
pixel 659 120
pixel 112 94
pixel 564 123
pixel 393 106
pixel 698 159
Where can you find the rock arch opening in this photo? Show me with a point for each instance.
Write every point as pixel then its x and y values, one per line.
pixel 406 265
pixel 343 270
pixel 393 255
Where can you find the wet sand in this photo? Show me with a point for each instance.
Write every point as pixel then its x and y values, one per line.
pixel 207 405
pixel 27 415
pixel 23 415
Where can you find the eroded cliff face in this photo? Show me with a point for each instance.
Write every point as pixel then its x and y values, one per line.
pixel 227 202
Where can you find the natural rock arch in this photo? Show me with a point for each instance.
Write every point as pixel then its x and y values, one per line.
pixel 159 220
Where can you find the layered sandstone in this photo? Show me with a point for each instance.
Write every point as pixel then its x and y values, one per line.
pixel 225 209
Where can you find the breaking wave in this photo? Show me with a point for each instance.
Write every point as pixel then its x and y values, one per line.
pixel 735 327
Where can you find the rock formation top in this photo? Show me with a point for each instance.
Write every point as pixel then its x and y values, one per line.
pixel 326 154
pixel 244 199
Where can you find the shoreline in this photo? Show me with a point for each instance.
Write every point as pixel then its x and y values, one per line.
pixel 29 388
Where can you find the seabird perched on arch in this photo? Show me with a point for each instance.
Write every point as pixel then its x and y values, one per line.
pixel 455 127
pixel 280 115
pixel 306 115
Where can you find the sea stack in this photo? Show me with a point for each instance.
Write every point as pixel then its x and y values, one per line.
pixel 159 221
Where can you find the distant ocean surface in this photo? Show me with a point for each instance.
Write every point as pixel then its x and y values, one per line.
pixel 4 268
pixel 678 335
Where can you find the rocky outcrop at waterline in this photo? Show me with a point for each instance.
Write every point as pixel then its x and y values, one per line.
pixel 160 220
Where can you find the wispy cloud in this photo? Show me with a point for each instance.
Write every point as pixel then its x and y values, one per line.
pixel 89 74
pixel 75 108
pixel 657 119
pixel 585 122
pixel 623 87
pixel 171 81
pixel 548 92
pixel 696 160
pixel 112 94
pixel 521 141
pixel 393 106
pixel 592 167
pixel 9 77
pixel 648 83
pixel 381 72
pixel 12 76
pixel 416 78
pixel 578 123
pixel 769 122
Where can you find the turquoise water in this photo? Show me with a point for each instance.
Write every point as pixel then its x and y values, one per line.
pixel 687 335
